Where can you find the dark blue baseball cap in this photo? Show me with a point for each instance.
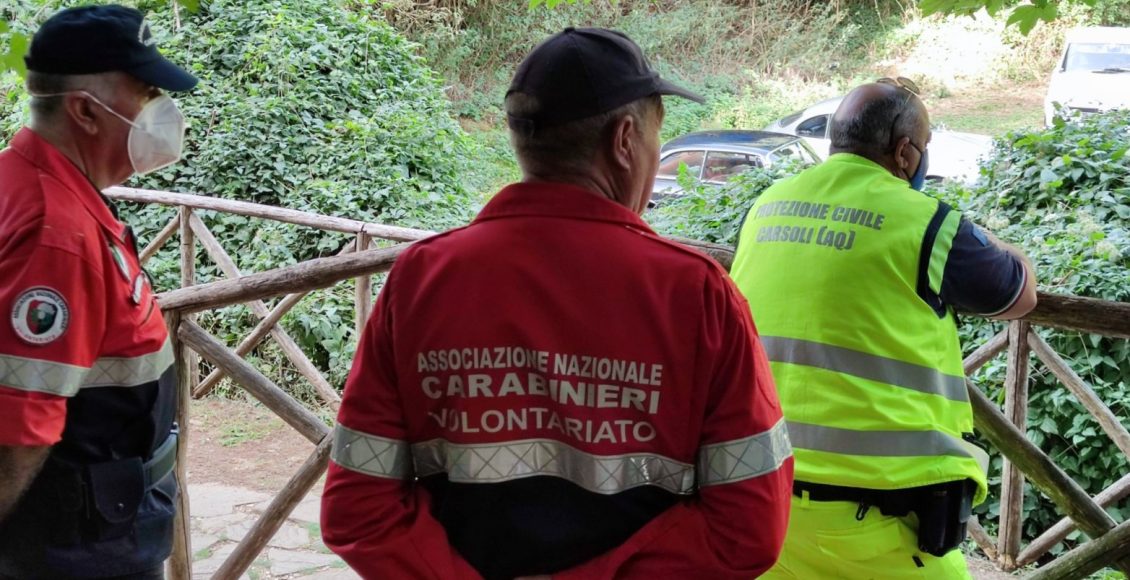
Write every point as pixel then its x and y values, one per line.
pixel 583 72
pixel 98 39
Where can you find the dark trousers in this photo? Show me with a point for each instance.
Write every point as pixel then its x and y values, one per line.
pixel 154 573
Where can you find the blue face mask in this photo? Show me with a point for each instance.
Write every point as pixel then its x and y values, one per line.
pixel 919 178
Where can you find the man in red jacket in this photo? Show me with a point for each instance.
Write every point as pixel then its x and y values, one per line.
pixel 555 389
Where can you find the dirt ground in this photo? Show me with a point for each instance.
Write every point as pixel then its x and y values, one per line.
pixel 990 110
pixel 242 444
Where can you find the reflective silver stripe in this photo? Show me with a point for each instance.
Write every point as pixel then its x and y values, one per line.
pixel 132 371
pixel 65 380
pixel 866 366
pixel 605 474
pixel 41 376
pixel 746 458
pixel 875 443
pixel 370 454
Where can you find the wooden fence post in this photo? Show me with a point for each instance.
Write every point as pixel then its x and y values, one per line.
pixel 180 561
pixel 1043 472
pixel 1012 479
pixel 363 291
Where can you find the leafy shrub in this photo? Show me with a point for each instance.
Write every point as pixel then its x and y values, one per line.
pixel 1063 196
pixel 302 104
pixel 714 213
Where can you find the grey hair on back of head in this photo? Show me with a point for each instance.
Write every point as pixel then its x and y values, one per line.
pixel 876 126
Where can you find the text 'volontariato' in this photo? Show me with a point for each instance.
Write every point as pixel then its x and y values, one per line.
pixel 562 378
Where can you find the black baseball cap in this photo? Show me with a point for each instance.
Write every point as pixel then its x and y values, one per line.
pixel 582 72
pixel 98 39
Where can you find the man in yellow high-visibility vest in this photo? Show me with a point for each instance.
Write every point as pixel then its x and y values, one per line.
pixel 854 278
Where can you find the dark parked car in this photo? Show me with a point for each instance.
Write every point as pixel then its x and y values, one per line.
pixel 715 156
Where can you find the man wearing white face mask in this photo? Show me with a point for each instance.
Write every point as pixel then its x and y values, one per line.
pixel 87 397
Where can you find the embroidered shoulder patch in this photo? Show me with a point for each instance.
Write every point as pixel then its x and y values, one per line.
pixel 40 315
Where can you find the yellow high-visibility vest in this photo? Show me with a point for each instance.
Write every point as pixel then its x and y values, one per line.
pixel 869 374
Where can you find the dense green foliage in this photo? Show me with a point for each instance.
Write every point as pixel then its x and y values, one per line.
pixel 723 48
pixel 1063 195
pixel 306 105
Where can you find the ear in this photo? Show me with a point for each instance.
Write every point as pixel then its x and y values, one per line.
pixel 902 153
pixel 624 145
pixel 80 110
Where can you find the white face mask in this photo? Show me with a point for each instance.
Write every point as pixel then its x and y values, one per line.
pixel 156 136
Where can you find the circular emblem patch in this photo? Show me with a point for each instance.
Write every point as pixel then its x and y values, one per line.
pixel 40 315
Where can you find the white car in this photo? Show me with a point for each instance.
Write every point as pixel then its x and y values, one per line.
pixel 953 155
pixel 1093 75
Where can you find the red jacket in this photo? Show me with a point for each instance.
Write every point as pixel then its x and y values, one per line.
pixel 86 367
pixel 555 389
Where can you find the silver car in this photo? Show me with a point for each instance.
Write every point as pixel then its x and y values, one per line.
pixel 953 155
pixel 713 157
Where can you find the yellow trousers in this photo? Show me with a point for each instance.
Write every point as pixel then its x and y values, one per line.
pixel 824 540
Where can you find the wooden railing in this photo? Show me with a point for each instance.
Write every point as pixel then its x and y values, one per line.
pixel 1004 429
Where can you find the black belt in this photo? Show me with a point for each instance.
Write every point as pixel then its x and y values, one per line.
pixel 893 502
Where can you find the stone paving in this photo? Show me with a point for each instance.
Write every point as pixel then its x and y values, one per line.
pixel 222 516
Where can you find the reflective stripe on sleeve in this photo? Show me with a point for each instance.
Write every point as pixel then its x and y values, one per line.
pixel 370 454
pixel 943 243
pixel 746 458
pixel 131 371
pixel 41 376
pixel 875 443
pixel 64 380
pixel 866 366
pixel 498 462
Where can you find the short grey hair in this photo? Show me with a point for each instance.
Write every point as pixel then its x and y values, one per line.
pixel 55 85
pixel 877 124
pixel 571 147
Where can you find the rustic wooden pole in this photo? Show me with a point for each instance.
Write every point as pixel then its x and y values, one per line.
pixel 252 340
pixel 1078 313
pixel 1088 558
pixel 983 539
pixel 188 374
pixel 363 291
pixel 985 352
pixel 1040 469
pixel 1064 527
pixel 162 237
pixel 280 214
pixel 180 561
pixel 260 387
pixel 277 511
pixel 302 277
pixel 1016 409
pixel 1086 395
pixel 289 348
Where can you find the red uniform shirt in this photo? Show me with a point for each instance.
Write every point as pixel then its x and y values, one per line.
pixel 556 389
pixel 80 313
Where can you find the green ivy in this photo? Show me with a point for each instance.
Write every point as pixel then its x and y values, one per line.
pixel 302 104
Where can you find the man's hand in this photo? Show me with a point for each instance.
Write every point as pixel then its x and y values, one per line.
pixel 18 467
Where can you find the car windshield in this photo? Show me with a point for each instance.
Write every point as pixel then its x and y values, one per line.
pixel 1097 56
